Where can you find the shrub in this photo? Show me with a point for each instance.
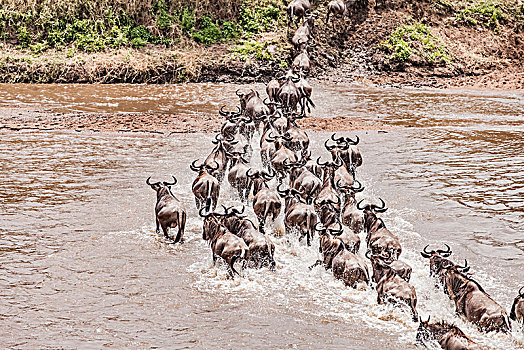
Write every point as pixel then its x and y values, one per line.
pixel 408 40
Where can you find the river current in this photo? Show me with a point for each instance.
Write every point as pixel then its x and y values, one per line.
pixel 81 265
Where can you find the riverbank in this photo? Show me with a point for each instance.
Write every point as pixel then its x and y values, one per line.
pixel 439 44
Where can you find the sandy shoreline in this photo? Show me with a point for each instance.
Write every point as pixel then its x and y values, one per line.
pixel 16 119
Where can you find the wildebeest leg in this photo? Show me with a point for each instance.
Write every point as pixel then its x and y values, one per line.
pixel 181 226
pixel 318 262
pixel 214 259
pixel 261 224
pixel 165 228
pixel 232 266
pixel 157 225
pixel 197 203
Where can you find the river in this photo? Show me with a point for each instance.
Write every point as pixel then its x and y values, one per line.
pixel 82 267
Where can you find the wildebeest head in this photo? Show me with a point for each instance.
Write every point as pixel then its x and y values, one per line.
pixel 244 98
pixel 516 312
pixel 370 210
pixel 435 331
pixel 161 188
pixel 203 167
pixel 258 179
pixel 290 195
pixel 212 224
pixel 437 259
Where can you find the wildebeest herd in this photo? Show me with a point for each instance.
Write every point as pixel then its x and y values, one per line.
pixel 315 196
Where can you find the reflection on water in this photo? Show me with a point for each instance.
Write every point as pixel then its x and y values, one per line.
pixel 80 261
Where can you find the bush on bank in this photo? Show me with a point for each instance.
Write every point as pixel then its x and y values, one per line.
pixel 97 25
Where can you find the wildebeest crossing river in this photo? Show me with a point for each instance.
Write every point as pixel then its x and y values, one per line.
pixel 82 266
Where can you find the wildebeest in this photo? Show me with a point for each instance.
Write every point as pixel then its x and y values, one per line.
pixel 266 202
pixel 351 216
pixel 517 309
pixel 304 31
pixel 449 336
pixel 254 108
pixel 288 94
pixel 282 155
pixel 305 90
pixel 304 181
pixel 379 239
pixel 328 192
pixel 298 214
pixel 473 302
pixel 337 8
pixel 237 175
pixel 206 187
pixel 272 90
pixel 296 138
pixel 223 243
pixel 349 267
pixel 298 9
pixel 351 156
pixel 400 267
pixel 301 62
pixel 218 157
pixel 391 287
pixel 261 250
pixel 169 211
pixel 437 261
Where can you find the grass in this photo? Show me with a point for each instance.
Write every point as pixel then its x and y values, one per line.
pixel 486 13
pixel 410 40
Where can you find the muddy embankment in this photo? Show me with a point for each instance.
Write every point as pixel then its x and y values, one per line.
pixel 456 43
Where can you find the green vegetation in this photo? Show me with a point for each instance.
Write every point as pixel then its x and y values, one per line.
pixel 487 13
pixel 97 25
pixel 412 40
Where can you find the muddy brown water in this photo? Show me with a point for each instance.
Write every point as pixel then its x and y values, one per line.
pixel 82 267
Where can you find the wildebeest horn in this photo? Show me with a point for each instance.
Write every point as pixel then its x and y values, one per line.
pixel 239 94
pixel 340 139
pixel 321 164
pixel 521 294
pixel 382 207
pixel 171 184
pixel 286 137
pixel 445 253
pixel 337 232
pixel 217 139
pixel 250 175
pixel 425 253
pixel 351 142
pixel 270 138
pixel 194 167
pixel 464 268
pixel 338 185
pixel 201 212
pixel 222 112
pixel 367 255
pixel 236 211
pixel 358 205
pixel 319 229
pixel 284 192
pixel 148 181
pixel 360 188
pixel 337 202
pixel 268 176
pixel 329 148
